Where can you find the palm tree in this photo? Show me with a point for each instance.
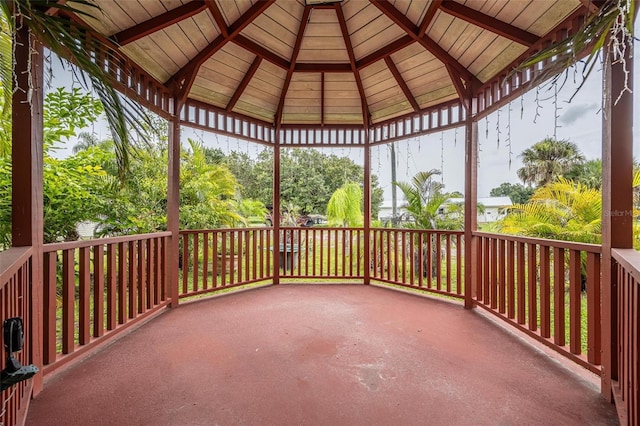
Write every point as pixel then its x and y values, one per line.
pixel 344 206
pixel 47 22
pixel 86 140
pixel 547 160
pixel 562 210
pixel 425 199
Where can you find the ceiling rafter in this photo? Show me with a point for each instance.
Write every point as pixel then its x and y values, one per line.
pixel 463 92
pixel 382 53
pixel 217 17
pixel 366 115
pixel 258 50
pixel 159 22
pixel 403 85
pixel 489 23
pixel 184 78
pixel 292 64
pixel 244 83
pixel 428 17
pixel 412 30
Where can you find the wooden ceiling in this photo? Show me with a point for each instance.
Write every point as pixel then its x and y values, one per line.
pixel 353 62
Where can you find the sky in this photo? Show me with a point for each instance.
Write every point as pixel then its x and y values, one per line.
pixel 502 136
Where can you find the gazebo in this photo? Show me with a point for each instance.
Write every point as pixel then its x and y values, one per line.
pixel 326 73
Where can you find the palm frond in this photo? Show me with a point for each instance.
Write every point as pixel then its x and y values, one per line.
pixel 65 38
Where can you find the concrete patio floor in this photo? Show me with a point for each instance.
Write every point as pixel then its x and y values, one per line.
pixel 320 355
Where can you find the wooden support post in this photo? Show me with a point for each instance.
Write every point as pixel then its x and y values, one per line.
pixel 367 209
pixel 173 205
pixel 617 199
pixel 26 152
pixel 275 216
pixel 470 209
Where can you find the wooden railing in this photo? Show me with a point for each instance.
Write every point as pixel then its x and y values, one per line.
pixel 548 289
pixel 213 260
pixel 627 380
pixel 321 253
pixel 424 259
pixel 94 289
pixel 15 301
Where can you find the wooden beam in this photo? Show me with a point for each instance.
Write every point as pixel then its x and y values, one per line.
pixel 428 17
pixel 410 28
pixel 294 57
pixel 184 78
pixel 386 51
pixel 470 208
pixel 489 23
pixel 244 83
pixel 617 199
pixel 352 61
pixel 173 204
pixel 258 50
pixel 217 17
pixel 403 85
pixel 27 223
pixel 460 88
pixel 323 67
pixel 159 22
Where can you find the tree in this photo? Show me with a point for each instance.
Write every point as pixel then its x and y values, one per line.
pixel 547 160
pixel 588 173
pixel 344 207
pixel 425 199
pixel 73 187
pixel 308 178
pixel 561 210
pixel 518 193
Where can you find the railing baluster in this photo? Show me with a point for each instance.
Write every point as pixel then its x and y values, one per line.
pixel 575 283
pixel 50 279
pixel 559 327
pixel 502 284
pixel 142 276
pixel 205 260
pixel 133 248
pixel 522 306
pixel 448 261
pixel 493 274
pixel 593 309
pixel 68 301
pixel 511 280
pixel 84 320
pixel 545 292
pixel 532 286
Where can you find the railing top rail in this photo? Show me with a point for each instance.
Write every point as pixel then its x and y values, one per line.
pixel 200 231
pixel 629 259
pixel 11 260
pixel 430 231
pixel 67 245
pixel 589 248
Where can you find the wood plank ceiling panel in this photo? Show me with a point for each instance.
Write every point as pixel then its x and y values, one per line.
pixel 233 10
pixel 269 31
pixel 370 29
pixel 393 83
pixel 342 99
pixel 261 97
pixel 303 102
pixel 555 12
pixel 323 41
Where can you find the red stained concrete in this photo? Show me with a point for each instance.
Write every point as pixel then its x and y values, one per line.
pixel 320 355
